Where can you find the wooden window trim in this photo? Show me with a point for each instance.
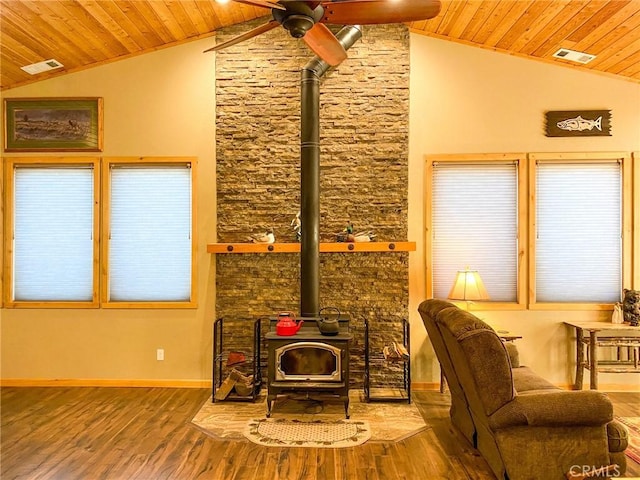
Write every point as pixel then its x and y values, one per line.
pixel 521 163
pixel 581 157
pixel 635 258
pixel 9 178
pixel 106 207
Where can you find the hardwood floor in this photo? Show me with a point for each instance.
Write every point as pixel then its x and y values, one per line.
pixel 145 434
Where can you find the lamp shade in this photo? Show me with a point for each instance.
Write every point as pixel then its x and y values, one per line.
pixel 468 286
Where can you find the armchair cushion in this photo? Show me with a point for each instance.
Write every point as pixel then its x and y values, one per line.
pixel 474 344
pixel 554 409
pixel 526 380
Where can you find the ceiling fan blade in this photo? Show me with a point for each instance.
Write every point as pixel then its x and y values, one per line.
pixel 324 44
pixel 261 3
pixel 245 36
pixel 368 12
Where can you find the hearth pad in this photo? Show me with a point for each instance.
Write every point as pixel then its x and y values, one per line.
pixel 389 422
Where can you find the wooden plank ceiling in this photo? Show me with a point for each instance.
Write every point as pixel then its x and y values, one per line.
pixel 85 33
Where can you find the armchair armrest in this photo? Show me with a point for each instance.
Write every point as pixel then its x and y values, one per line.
pixel 554 408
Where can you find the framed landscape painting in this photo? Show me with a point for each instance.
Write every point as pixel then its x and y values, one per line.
pixel 53 124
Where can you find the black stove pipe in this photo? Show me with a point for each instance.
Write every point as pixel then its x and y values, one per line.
pixel 310 175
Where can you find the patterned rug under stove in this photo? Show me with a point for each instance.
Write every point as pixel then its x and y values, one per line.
pixel 302 422
pixel 283 432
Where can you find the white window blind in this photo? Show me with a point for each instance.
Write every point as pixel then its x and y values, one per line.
pixel 579 226
pixel 475 225
pixel 150 233
pixel 53 233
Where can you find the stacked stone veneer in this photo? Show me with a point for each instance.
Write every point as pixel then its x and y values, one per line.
pixel 364 131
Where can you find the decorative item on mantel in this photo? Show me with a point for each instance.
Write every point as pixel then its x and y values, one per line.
pixel 631 307
pixel 345 235
pixel 366 236
pixel 348 236
pixel 266 237
pixel 296 223
pixel 579 123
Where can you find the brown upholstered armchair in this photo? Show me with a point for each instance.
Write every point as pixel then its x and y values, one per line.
pixel 525 427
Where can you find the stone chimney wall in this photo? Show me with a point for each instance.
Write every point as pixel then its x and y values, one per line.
pixel 364 128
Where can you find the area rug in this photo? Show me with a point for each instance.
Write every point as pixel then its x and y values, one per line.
pixel 633 426
pixel 281 432
pixel 386 422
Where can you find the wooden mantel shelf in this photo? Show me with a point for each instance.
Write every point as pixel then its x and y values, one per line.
pixel 324 247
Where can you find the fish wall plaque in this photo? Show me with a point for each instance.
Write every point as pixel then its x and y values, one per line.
pixel 579 123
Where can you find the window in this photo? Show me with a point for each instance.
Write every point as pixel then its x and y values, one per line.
pixel 578 209
pixel 473 211
pixel 149 251
pixel 53 232
pixel 578 217
pixel 69 219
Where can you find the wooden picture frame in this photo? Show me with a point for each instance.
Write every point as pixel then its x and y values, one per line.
pixel 53 124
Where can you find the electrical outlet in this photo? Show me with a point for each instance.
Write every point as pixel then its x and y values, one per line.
pixel 160 354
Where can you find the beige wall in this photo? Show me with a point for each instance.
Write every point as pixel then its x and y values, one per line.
pixel 468 100
pixel 158 104
pixel 463 100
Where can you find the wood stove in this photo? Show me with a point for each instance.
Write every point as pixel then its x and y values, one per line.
pixel 309 363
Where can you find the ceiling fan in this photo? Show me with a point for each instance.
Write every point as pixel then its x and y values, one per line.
pixel 308 19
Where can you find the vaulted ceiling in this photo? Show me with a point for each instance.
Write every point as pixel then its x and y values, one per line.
pixel 86 33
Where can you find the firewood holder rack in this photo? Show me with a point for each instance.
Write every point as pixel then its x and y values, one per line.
pixel 220 356
pixel 403 389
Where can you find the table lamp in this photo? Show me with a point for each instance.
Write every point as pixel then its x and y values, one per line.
pixel 468 286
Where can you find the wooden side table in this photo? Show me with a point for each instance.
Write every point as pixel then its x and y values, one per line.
pixel 621 336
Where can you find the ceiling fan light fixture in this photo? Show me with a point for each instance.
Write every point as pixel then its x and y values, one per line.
pixel 298 18
pixel 298 25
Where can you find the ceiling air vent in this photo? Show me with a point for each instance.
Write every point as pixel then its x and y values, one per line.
pixel 572 55
pixel 40 67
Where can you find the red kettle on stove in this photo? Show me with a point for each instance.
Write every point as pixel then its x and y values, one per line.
pixel 287 325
